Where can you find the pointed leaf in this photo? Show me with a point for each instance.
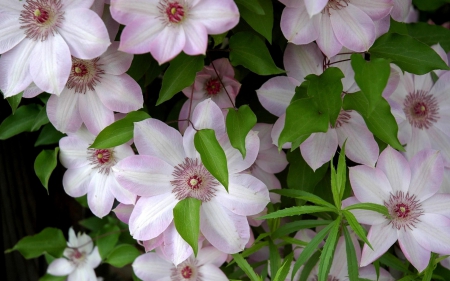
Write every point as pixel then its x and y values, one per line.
pixel 186 216
pixel 122 255
pixel 430 34
pixel 212 155
pixel 48 135
pixel 296 211
pixel 274 257
pixel 140 65
pixel 309 266
pixel 303 195
pixel 357 228
pixel 341 176
pixel 179 75
pixel 239 123
pixel 262 23
pixel 370 207
pixel 243 264
pixel 326 258
pixel 218 38
pixel 49 277
pixel 283 271
pixel 22 121
pixel 352 261
pixel 334 188
pixel 44 165
pixel 107 238
pixel 394 262
pixel 252 5
pixel 40 120
pixel 295 226
pixel 429 5
pixel 14 101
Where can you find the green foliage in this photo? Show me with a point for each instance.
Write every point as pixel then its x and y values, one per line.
pixel 218 38
pixel 107 238
pixel 243 46
pixel 356 227
pixel 408 53
pixel 296 211
pixel 239 123
pixel 122 255
pixel 291 227
pixel 48 277
pixel 50 240
pixel 22 121
pixel 304 195
pixel 120 131
pixel 41 119
pixel 283 271
pixel 186 217
pixel 212 155
pixel 14 101
pixel 326 258
pixel 262 23
pixel 429 5
pixel 370 207
pixel 48 135
pixel 139 66
pixel 251 5
pixel 339 178
pixel 44 165
pixel 245 266
pixel 352 261
pixel 274 258
pixel 179 75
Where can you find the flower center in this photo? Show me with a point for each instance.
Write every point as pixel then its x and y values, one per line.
pixel 192 179
pixel 335 5
pixel 171 11
pixel 84 75
pixel 41 18
pixel 101 159
pixel 76 257
pixel 343 118
pixel 212 86
pixel 404 210
pixel 421 109
pixel 188 270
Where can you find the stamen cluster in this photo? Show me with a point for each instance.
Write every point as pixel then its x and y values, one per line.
pixel 186 271
pixel 41 18
pixel 404 210
pixel 101 159
pixel 84 75
pixel 421 109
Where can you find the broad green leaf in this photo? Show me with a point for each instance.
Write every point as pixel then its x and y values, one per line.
pixel 326 258
pixel 243 46
pixel 253 249
pixel 303 195
pixel 14 101
pixel 218 38
pixel 408 53
pixel 327 90
pixel 153 71
pixel 122 255
pixel 212 155
pixel 429 5
pixel 427 33
pixel 303 118
pixel 44 165
pixel 428 272
pixel 245 266
pixel 283 271
pixel 252 5
pixel 41 119
pixel 263 24
pixel 392 261
pixel 50 240
pixel 120 131
pixel 370 207
pixel 301 92
pixel 93 223
pixel 139 66
pixel 48 135
pixel 357 228
pixel 48 277
pixel 309 266
pixel 296 211
pixel 371 77
pixel 311 247
pixel 295 226
pixel 107 238
pixel 381 122
pixel 186 216
pixel 352 261
pixel 82 201
pixel 274 258
pixel 239 123
pixel 179 75
pixel 22 121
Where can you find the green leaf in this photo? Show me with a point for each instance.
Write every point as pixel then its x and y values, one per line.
pixel 14 101
pixel 179 75
pixel 293 241
pixel 212 155
pixel 44 165
pixel 311 247
pixel 309 266
pixel 357 228
pixel 429 34
pixel 303 118
pixel 120 131
pixel 243 46
pixel 303 195
pixel 41 119
pixel 48 135
pixel 22 121
pixel 153 71
pixel 327 90
pixel 48 277
pixel 326 258
pixel 218 38
pixel 93 223
pixel 262 23
pixel 82 201
pixel 381 122
pixel 50 240
pixel 186 216
pixel 408 53
pixel 392 261
pixel 274 257
pixel 296 211
pixel 370 207
pixel 122 255
pixel 429 5
pixel 252 5
pixel 243 264
pixel 295 226
pixel 283 271
pixel 107 238
pixel 239 123
pixel 352 261
pixel 341 175
pixel 372 77
pixel 139 66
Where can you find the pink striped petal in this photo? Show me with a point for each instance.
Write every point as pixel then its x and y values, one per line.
pixel 271 160
pixel 212 272
pixel 374 9
pixel 297 26
pixel 276 94
pixel 433 233
pixel 150 266
pixel 216 16
pixel 60 267
pixel 138 35
pixel 123 212
pixel 417 255
pixel 114 61
pixel 427 171
pixel 63 111
pixel 174 246
pixel 396 168
pixel 169 42
pixel 100 199
pixel 10 32
pixel 370 184
pixel 315 6
pixel 300 61
pixel 327 40
pixel 381 237
pixel 76 181
pixel 95 115
pixel 319 148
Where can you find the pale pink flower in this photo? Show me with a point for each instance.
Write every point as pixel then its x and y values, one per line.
pixel 169 169
pixel 166 27
pixel 419 217
pixel 104 12
pixel 89 171
pixel 276 94
pixel 95 89
pixel 79 259
pixel 38 38
pixel 205 266
pixel 209 84
pixel 333 23
pixel 403 11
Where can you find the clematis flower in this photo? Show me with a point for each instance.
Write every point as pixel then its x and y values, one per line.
pixel 419 215
pixel 333 23
pixel 38 38
pixel 79 259
pixel 169 170
pixel 95 89
pixel 166 27
pixel 205 266
pixel 276 94
pixel 89 171
pixel 208 84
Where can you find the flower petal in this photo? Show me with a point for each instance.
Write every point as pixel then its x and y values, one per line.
pixel 196 39
pixel 169 42
pixel 297 26
pixel 271 160
pixel 10 32
pixel 270 180
pixel 207 115
pixel 138 35
pixel 417 255
pixel 396 168
pixel 437 204
pixel 123 212
pixel 265 139
pixel 120 193
pixel 315 6
pixel 327 40
pixel 100 199
pixel 94 259
pixel 125 11
pixel 150 266
pixel 73 152
pixel 63 111
pixel 234 158
pixel 82 273
pixel 212 272
pixel 363 216
pixel 151 244
pixel 76 180
pixel 115 62
pixel 60 267
pixel 174 247
pixel 216 16
pixel 300 61
pixel 95 115
pixel 319 148
pixel 370 184
pixel 210 255
pixel 381 237
pixel 427 172
pixel 276 94
pixel 374 9
pixel 433 233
